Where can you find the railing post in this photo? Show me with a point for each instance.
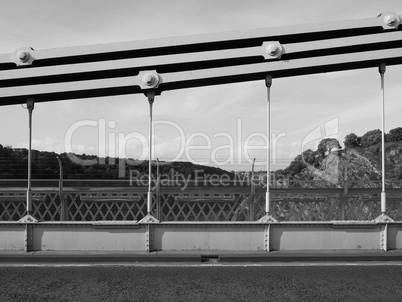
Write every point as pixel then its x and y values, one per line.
pixel 268 84
pixel 382 68
pixel 252 194
pixel 63 205
pixel 158 192
pixel 30 107
pixel 344 198
pixel 28 217
pixel 383 216
pixel 150 80
pixel 268 217
pixel 151 96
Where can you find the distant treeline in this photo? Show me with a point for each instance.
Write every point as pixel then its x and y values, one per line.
pixel 45 165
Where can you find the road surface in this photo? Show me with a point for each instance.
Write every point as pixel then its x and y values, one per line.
pixel 203 282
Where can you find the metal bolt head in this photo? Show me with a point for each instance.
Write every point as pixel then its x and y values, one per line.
pixel 391 20
pixel 23 56
pixel 149 79
pixel 272 49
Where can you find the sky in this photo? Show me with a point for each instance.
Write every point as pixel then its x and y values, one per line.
pixel 222 125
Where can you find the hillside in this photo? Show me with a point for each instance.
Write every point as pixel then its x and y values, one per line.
pixel 359 162
pixel 45 165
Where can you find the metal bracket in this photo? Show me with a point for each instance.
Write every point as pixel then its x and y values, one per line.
pixel 113 224
pixel 28 237
pixel 28 219
pixel 267 238
pixel 23 56
pixel 30 104
pixel 267 219
pixel 383 218
pixel 383 237
pixel 149 219
pixel 149 241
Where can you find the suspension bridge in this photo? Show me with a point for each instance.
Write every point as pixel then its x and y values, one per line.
pixel 202 219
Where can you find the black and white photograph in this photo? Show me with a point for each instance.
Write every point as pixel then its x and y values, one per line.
pixel 198 150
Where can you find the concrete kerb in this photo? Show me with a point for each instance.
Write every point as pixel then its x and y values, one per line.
pixel 126 257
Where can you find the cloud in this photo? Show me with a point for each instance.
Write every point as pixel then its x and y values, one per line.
pixel 45 144
pixel 82 149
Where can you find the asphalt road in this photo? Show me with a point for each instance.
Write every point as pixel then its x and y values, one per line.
pixel 202 283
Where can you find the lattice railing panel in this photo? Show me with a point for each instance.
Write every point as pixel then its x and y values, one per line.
pixel 208 206
pixel 236 207
pixel 203 207
pixel 305 207
pixel 394 209
pixel 368 206
pixel 46 206
pixel 106 206
pixel 363 207
pixel 12 206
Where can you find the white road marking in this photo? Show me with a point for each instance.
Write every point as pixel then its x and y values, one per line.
pixel 145 264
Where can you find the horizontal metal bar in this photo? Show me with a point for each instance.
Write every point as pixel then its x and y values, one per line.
pixel 19 199
pixel 196 78
pixel 196 190
pixel 106 224
pixel 355 224
pixel 111 198
pixel 136 64
pixel 69 87
pixel 379 200
pixel 369 24
pixel 133 63
pixel 302 190
pixel 181 62
pixel 328 44
pixel 207 199
pixel 162 224
pixel 281 68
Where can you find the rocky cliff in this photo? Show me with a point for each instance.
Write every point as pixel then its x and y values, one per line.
pixel 358 164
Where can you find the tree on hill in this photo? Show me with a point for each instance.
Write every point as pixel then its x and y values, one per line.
pixel 394 135
pixel 371 138
pixel 296 166
pixel 311 158
pixel 352 141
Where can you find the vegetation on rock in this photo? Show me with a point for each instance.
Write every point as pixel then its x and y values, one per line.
pixel 358 163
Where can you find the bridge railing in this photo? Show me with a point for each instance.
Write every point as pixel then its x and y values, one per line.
pixel 89 202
